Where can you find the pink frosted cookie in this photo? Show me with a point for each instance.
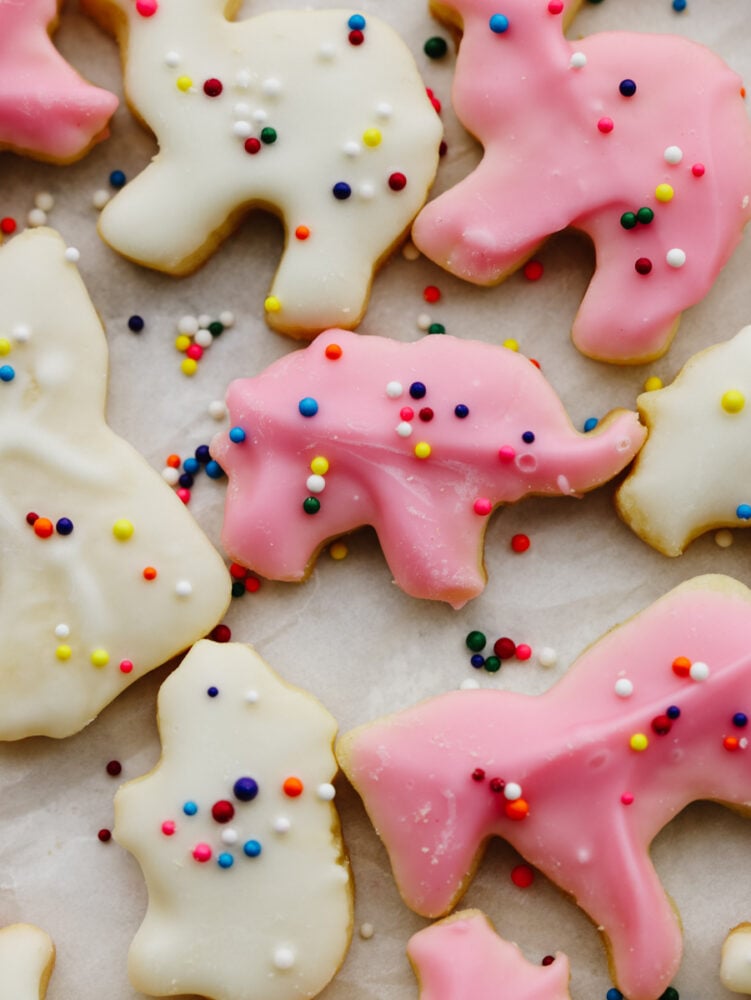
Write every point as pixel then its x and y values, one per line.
pixel 46 109
pixel 640 141
pixel 694 473
pixel 235 829
pixel 27 958
pixel 105 574
pixel 579 780
pixel 462 957
pixel 422 441
pixel 319 116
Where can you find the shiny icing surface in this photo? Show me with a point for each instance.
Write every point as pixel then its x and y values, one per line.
pixel 237 837
pixel 735 966
pixel 463 957
pixel 422 441
pixel 27 957
pixel 84 517
pixel 581 133
pixel 46 109
pixel 283 111
pixel 586 774
pixel 694 473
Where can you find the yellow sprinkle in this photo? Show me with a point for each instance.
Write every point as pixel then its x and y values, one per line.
pixel 182 343
pixel 272 304
pixel 184 83
pixel 5 346
pixel 100 658
pixel 122 529
pixel 371 137
pixel 653 383
pixel 189 366
pixel 638 742
pixel 733 401
pixel 319 465
pixel 422 449
pixel 338 550
pixel 63 652
pixel 512 345
pixel 664 192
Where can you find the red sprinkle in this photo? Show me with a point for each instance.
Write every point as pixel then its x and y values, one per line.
pixel 433 100
pixel 221 633
pixel 213 87
pixel 698 170
pixel 356 37
pixel 104 835
pixel 7 225
pixel 114 767
pixel 497 785
pixel 431 293
pixel 478 774
pixel 504 648
pixel 252 145
pixel 126 666
pixel 520 543
pixel 397 181
pixel 533 270
pixel 522 876
pixel 237 572
pixel 643 265
pixel 605 125
pixel 222 811
pixel 661 725
pixel 548 960
pixel 252 584
pixel 627 798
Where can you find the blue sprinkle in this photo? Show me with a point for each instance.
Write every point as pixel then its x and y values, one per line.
pixel 341 190
pixel 679 5
pixel 190 808
pixel 214 470
pixel 186 480
pixel 461 411
pixel 743 510
pixel 528 437
pixel 237 435
pixel 477 661
pixel 627 88
pixel 136 324
pixel 212 692
pixel 252 848
pixel 225 860
pixel 740 719
pixel 498 24
pixel 417 390
pixel 356 22
pixel 589 424
pixel 202 453
pixel 64 526
pixel 673 712
pixel 614 994
pixel 7 373
pixel 245 789
pixel 308 406
pixel 117 179
pixel 191 466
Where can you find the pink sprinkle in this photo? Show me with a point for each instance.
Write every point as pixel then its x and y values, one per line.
pixel 506 453
pixel 698 170
pixel 147 8
pixel 195 351
pixel 184 495
pixel 605 125
pixel 523 651
pixel 202 853
pixel 406 413
pixel 627 798
pixel 168 828
pixel 483 506
pixel 126 666
pixel 555 6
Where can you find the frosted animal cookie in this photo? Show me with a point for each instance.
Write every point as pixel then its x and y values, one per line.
pixel 105 575
pixel 462 956
pixel 238 838
pixel 580 779
pixel 46 109
pixel 422 441
pixel 27 957
pixel 320 116
pixel 698 424
pixel 640 141
pixel 735 967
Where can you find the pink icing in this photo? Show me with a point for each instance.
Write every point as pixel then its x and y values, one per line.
pixel 594 803
pixel 463 957
pixel 430 513
pixel 46 109
pixel 553 160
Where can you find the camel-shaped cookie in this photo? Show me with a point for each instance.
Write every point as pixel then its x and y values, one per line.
pixel 640 141
pixel 580 779
pixel 47 110
pixel 104 575
pixel 462 957
pixel 27 958
pixel 422 441
pixel 235 829
pixel 319 116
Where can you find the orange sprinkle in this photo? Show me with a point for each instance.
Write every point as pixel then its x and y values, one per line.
pixel 292 787
pixel 43 527
pixel 302 232
pixel 681 666
pixel 731 743
pixel 173 461
pixel 149 573
pixel 517 809
pixel 333 352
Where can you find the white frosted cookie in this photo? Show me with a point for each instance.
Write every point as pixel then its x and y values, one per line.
pixel 694 472
pixel 236 833
pixel 735 966
pixel 319 116
pixel 105 575
pixel 27 957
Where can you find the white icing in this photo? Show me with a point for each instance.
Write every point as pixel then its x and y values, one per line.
pixel 27 956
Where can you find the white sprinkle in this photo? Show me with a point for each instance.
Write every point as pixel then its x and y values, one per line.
pixel 187 325
pixel 172 59
pixel 743 742
pixel 624 688
pixel 72 255
pixel 326 792
pixel 100 198
pixel 260 116
pixel 394 390
pixel 423 321
pixel 203 338
pixel 578 60
pixel 252 697
pixel 284 958
pixel 62 631
pixel 36 217
pixel 183 588
pixel 171 476
pixel 469 684
pixel 367 931
pixel 404 429
pixel 272 87
pixel 203 321
pixel 724 538
pixel 512 791
pixel 45 201
pixel 281 825
pixel 351 149
pixel 21 333
pixel 673 154
pixel 241 110
pixel 315 484
pixel 384 110
pixel 242 80
pixel 229 837
pixel 676 257
pixel 410 251
pixel 242 129
pixel 583 855
pixel 217 409
pixel 547 657
pixel 699 671
pixel 227 318
pixel 367 190
pixel 327 50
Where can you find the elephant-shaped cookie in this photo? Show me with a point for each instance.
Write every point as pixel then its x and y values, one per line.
pixel 422 441
pixel 320 116
pixel 640 141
